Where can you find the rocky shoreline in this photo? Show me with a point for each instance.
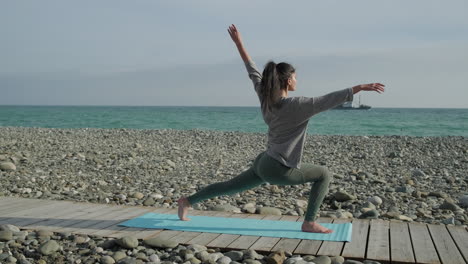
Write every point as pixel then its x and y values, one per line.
pixel 423 179
pixel 44 247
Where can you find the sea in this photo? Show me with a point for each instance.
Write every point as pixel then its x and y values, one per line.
pixel 375 121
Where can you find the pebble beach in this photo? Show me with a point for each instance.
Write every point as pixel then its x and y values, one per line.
pixel 401 178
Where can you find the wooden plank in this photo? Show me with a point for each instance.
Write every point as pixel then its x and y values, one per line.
pixel 423 247
pixel 23 205
pixel 460 236
pixel 107 220
pixel 8 202
pixel 38 213
pixel 356 249
pixel 333 248
pixel 223 240
pixel 401 248
pixel 311 247
pixel 116 228
pixel 444 244
pixel 378 247
pixel 60 225
pixel 287 244
pixel 51 218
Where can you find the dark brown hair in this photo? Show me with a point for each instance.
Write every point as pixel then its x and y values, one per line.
pixel 275 77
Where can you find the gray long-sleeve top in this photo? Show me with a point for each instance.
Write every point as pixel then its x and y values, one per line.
pixel 287 123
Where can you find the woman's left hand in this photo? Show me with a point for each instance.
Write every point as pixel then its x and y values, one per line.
pixel 376 87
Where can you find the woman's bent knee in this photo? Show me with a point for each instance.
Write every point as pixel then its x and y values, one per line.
pixel 326 174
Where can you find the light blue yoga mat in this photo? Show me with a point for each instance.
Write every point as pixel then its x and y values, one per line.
pixel 238 226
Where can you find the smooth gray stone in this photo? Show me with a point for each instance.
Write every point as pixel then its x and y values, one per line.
pixel 9 227
pixel 6 235
pixel 226 208
pixel 234 255
pixel 269 211
pixel 128 242
pixel 322 260
pixel 49 247
pixel 154 258
pixel 449 206
pixel 7 166
pixel 251 254
pixel 160 243
pixel 194 260
pixel 463 200
pixel 342 196
pixel 371 214
pixel 150 201
pixel 376 200
pixel 449 221
pixel 251 261
pixel 337 260
pixel 224 260
pixel 404 189
pixel 118 255
pixel 196 248
pixel 127 260
pixel 107 244
pixel 107 260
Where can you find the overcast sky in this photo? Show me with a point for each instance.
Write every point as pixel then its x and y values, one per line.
pixel 179 52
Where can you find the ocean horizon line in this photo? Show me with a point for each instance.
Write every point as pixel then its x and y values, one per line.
pixel 231 106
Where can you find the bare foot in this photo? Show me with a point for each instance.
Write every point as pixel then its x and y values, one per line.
pixel 314 227
pixel 184 205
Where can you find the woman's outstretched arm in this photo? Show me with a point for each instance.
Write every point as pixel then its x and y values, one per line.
pixel 236 37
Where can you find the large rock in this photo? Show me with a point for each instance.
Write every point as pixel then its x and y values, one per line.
pixel 160 243
pixel 269 211
pixel 6 235
pixel 128 242
pixel 7 166
pixel 249 208
pixel 448 205
pixel 49 247
pixel 11 228
pixel 342 196
pixel 371 214
pixel 234 255
pixel 107 260
pixel 322 260
pixel 150 201
pixel 463 201
pixel 375 200
pixel 277 257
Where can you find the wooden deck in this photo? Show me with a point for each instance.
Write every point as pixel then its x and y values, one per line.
pixel 384 241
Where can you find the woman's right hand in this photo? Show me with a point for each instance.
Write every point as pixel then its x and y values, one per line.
pixel 235 35
pixel 377 87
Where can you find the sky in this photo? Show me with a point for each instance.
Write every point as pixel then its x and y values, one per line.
pixel 178 53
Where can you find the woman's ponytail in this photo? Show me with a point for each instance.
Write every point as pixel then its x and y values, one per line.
pixel 274 78
pixel 270 84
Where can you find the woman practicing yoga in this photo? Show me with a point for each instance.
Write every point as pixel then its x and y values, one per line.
pixel 287 119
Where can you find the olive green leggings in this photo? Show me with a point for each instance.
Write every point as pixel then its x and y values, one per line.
pixel 267 169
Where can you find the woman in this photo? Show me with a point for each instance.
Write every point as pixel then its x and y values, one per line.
pixel 287 119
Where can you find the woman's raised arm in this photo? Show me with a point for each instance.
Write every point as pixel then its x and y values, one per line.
pixel 236 37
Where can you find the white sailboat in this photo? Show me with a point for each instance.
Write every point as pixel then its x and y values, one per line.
pixel 351 106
